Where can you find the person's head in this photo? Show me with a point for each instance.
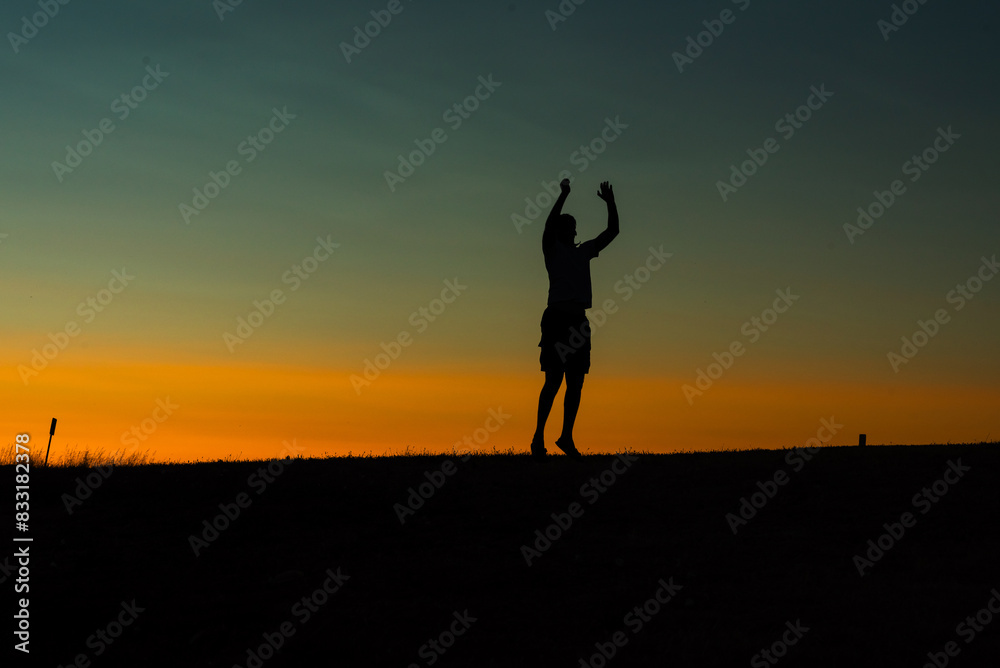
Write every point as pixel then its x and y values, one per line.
pixel 566 229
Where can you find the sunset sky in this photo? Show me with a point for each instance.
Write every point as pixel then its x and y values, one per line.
pixel 172 168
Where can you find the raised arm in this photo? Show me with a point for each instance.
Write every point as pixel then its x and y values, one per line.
pixel 549 234
pixel 608 235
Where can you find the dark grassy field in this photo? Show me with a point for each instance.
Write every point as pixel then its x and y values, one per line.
pixel 452 587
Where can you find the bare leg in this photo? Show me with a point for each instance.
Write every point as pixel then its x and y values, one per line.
pixel 571 404
pixel 553 380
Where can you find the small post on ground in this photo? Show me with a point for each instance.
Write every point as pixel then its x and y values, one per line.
pixel 861 439
pixel 52 430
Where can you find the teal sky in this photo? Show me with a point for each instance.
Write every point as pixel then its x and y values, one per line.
pixel 324 176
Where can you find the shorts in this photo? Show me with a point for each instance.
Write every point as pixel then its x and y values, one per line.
pixel 565 341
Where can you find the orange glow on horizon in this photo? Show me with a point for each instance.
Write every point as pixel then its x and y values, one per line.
pixel 198 411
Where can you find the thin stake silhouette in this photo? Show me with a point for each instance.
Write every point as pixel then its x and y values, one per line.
pixel 52 430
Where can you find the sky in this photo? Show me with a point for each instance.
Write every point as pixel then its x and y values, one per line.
pixel 255 229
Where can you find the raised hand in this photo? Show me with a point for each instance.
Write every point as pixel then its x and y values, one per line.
pixel 606 193
pixel 564 186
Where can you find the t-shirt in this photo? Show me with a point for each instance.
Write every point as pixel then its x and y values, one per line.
pixel 569 272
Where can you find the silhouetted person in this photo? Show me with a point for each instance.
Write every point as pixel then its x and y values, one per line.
pixel 566 332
